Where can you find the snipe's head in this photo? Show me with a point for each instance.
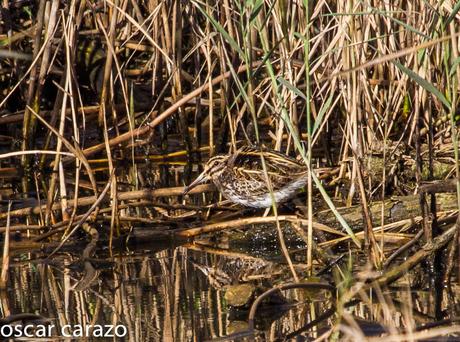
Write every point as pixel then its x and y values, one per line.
pixel 212 170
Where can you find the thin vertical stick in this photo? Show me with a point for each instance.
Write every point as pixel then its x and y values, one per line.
pixel 455 81
pixel 309 143
pixel 6 252
pixel 27 128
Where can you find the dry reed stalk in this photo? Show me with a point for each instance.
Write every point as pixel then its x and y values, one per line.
pixel 93 207
pixel 122 196
pixel 415 259
pixel 213 227
pixel 420 335
pixel 6 253
pixel 75 150
pixel 164 115
pixel 106 92
pixel 57 160
pixel 28 128
pixel 20 153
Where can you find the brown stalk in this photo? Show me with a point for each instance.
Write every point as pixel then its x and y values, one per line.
pixel 370 242
pixel 105 91
pixel 28 125
pixel 123 138
pixel 75 150
pixel 391 56
pixel 94 206
pixel 213 227
pixel 105 107
pixel 415 259
pixel 6 252
pixel 57 168
pixel 122 196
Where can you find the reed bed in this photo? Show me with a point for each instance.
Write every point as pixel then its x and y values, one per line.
pixel 109 108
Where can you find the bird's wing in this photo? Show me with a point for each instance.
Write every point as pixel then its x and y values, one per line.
pixel 281 169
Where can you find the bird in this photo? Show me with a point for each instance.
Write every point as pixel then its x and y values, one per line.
pixel 240 177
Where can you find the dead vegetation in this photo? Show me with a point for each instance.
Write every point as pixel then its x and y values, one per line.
pixel 108 108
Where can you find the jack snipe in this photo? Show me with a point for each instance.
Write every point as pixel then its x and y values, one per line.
pixel 240 176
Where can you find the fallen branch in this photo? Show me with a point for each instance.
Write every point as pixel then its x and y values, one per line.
pixel 214 227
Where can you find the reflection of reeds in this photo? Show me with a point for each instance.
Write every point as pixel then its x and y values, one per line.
pixel 165 296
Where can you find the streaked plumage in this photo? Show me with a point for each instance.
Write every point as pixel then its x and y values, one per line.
pixel 240 176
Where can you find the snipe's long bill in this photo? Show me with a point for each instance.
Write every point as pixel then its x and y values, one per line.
pixel 241 179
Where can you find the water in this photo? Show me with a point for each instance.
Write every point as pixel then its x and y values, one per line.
pixel 172 294
pixel 162 292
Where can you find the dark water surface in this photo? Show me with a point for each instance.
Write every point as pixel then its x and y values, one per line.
pixel 156 292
